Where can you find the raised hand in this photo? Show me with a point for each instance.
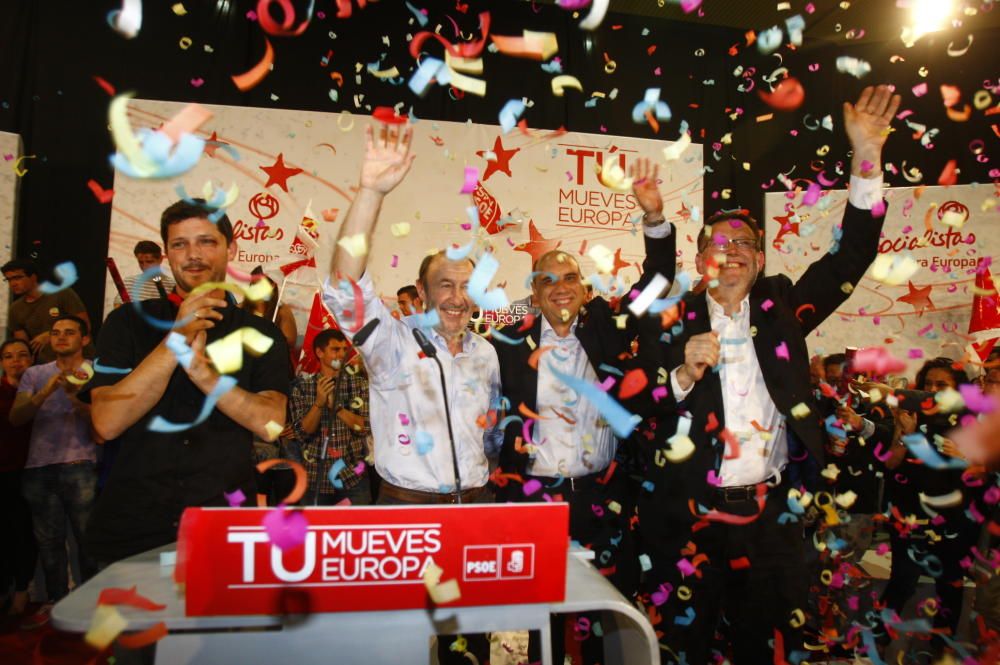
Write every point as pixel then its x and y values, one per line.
pixel 198 313
pixel 644 186
pixel 867 125
pixel 387 158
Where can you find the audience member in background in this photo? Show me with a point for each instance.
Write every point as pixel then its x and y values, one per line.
pixel 408 299
pixel 816 372
pixel 854 427
pixel 19 554
pixel 60 474
pixel 280 314
pixel 160 473
pixel 32 313
pixel 918 492
pixel 330 409
pixel 987 601
pixel 147 254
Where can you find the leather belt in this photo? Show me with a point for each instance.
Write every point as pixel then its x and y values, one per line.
pixel 571 484
pixel 420 496
pixel 739 493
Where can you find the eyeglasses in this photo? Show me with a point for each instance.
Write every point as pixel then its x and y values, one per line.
pixel 742 244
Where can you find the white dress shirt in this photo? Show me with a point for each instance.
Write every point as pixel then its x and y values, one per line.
pixel 406 406
pixel 579 443
pixel 746 400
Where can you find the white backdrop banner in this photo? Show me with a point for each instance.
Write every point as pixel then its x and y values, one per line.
pixel 930 309
pixel 535 190
pixel 10 182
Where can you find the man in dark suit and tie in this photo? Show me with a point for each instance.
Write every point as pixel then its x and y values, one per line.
pixel 560 446
pixel 739 428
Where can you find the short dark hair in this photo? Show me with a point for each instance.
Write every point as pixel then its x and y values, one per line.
pixel 409 290
pixel 940 363
pixel 29 267
pixel 181 210
pixel 324 337
pixel 84 328
pixel 705 237
pixel 835 359
pixel 11 342
pixel 425 265
pixel 147 247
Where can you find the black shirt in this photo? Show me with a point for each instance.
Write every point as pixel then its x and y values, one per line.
pixel 157 475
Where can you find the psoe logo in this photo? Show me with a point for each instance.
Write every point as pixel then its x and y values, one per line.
pixel 498 562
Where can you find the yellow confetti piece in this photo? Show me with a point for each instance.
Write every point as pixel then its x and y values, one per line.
pixel 227 353
pixel 830 472
pixel 563 81
pixel 954 219
pixel 893 270
pixel 620 321
pixel 17 165
pixel 603 257
pixel 179 9
pixel 400 229
pixel 464 65
pixel 798 618
pixel 674 151
pixel 467 83
pixel 615 507
pixel 88 373
pixel 949 400
pixel 846 500
pixel 261 291
pixel 208 191
pixel 106 624
pixel 440 592
pixel 681 448
pixel 124 138
pixel 800 411
pixel 613 177
pixel 355 245
pixel 255 342
pixel 273 430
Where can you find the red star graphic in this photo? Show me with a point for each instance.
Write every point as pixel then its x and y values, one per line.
pixel 919 298
pixel 278 174
pixel 536 245
pixel 787 227
pixel 502 161
pixel 212 144
pixel 684 213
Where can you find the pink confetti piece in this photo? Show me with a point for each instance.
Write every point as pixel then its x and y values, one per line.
pixel 607 384
pixel 782 351
pixel 882 549
pixel 395 261
pixel 659 393
pixel 662 595
pixel 286 528
pixel 531 486
pixel 713 478
pixel 920 89
pixel 471 178
pixel 359 469
pixel 811 196
pixel 878 208
pixel 866 166
pixel 926 329
pixel 686 568
pixel 689 6
pixel 975 400
pixel 404 420
pixel 235 499
pixel 915 353
pixel 767 305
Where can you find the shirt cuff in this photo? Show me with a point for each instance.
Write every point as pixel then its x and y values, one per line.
pixel 339 299
pixel 864 193
pixel 661 230
pixel 679 393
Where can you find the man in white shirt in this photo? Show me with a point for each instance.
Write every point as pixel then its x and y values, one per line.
pixel 147 254
pixel 740 392
pixel 571 454
pixel 413 429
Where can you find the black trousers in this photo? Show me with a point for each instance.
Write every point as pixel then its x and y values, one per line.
pixel 748 580
pixel 19 556
pixel 600 507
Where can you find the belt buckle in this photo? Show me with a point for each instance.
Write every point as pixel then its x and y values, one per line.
pixel 734 494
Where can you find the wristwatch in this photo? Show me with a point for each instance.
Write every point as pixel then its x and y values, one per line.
pixel 653 223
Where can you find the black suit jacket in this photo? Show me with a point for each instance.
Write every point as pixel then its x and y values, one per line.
pixel 795 310
pixel 602 340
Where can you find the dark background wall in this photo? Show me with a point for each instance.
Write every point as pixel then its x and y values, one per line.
pixel 52 50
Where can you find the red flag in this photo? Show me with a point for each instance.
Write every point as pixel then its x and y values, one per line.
pixel 489 209
pixel 985 313
pixel 319 319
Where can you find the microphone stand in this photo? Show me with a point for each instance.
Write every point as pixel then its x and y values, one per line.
pixel 431 352
pixel 325 440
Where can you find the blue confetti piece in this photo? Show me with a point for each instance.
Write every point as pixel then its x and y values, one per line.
pixel 67 274
pixel 922 449
pixel 169 159
pixel 161 424
pixel 424 442
pixel 621 421
pixel 482 274
pixel 687 619
pixel 510 113
pixel 107 369
pixel 417 14
pixel 334 472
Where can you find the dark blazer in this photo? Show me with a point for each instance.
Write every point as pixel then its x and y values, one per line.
pixel 602 340
pixel 795 310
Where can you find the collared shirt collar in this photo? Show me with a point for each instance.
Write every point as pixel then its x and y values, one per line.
pixel 548 332
pixel 715 309
pixel 469 340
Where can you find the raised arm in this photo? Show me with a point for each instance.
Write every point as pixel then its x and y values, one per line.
pixel 387 160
